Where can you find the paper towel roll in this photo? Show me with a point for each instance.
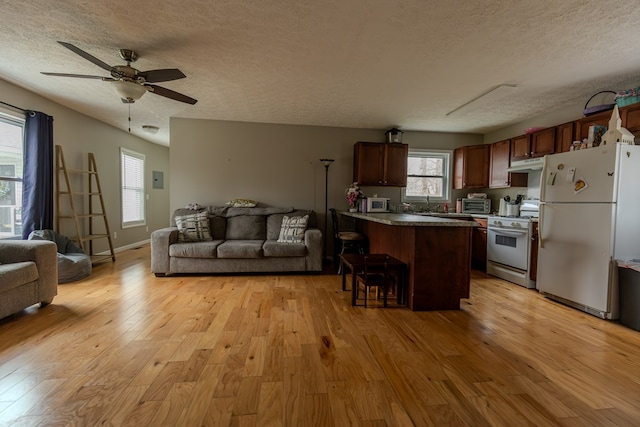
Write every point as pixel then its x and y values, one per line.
pixel 503 208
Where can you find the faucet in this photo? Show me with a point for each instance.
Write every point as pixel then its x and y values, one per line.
pixel 428 207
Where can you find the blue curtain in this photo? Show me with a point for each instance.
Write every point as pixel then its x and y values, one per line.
pixel 37 185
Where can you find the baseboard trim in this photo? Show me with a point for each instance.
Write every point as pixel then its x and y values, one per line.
pixel 126 247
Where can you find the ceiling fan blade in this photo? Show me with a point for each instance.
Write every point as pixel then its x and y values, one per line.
pixel 87 56
pixel 164 75
pixel 168 93
pixel 81 76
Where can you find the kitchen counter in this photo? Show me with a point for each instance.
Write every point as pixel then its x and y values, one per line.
pixel 437 251
pixel 415 219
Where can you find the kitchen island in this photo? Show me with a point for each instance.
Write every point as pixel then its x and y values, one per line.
pixel 437 251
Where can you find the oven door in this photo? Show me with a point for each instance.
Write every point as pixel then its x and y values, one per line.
pixel 508 246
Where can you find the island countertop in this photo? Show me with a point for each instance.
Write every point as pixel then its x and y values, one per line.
pixel 437 252
pixel 407 219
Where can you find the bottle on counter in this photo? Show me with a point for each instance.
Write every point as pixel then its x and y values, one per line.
pixel 446 207
pixel 459 206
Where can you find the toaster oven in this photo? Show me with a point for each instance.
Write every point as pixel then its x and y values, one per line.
pixel 476 206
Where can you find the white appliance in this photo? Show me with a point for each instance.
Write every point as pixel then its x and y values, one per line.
pixel 378 204
pixel 590 201
pixel 526 165
pixel 476 206
pixel 530 208
pixel 508 243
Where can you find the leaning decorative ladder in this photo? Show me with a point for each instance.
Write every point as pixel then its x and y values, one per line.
pixel 98 225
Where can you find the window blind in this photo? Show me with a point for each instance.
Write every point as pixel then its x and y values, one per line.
pixel 132 188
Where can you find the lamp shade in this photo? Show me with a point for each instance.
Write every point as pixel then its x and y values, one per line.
pixel 129 91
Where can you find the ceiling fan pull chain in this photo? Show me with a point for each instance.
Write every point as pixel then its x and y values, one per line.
pixel 129 104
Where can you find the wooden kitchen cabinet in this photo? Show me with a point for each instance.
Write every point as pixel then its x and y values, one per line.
pixel 564 137
pixel 534 145
pixel 582 126
pixel 479 245
pixel 520 147
pixel 380 164
pixel 630 116
pixel 471 167
pixel 499 162
pixel 533 260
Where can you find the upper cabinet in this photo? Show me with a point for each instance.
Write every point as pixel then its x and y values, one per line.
pixel 564 137
pixel 582 125
pixel 380 164
pixel 471 167
pixel 533 145
pixel 631 118
pixel 498 175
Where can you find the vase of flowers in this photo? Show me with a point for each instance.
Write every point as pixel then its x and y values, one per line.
pixel 353 195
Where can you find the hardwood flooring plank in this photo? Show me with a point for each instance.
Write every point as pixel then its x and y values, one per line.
pixel 269 406
pixel 123 347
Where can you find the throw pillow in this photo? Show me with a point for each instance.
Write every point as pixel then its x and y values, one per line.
pixel 292 229
pixel 193 227
pixel 241 203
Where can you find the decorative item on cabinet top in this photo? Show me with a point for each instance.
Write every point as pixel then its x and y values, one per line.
pixel 394 135
pixel 589 111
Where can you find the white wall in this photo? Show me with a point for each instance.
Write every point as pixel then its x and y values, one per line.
pixel 214 161
pixel 79 135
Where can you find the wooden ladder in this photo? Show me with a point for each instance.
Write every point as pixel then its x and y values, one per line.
pixel 98 225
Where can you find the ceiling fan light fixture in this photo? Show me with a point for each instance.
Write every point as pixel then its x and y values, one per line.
pixel 128 91
pixel 150 129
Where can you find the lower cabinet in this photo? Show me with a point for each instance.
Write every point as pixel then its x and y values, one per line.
pixel 479 245
pixel 533 260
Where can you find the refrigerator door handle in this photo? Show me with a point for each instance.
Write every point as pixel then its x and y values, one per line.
pixel 543 178
pixel 540 217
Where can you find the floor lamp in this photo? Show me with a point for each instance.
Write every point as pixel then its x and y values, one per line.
pixel 326 163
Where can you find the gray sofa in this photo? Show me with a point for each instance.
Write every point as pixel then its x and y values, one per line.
pixel 244 240
pixel 28 274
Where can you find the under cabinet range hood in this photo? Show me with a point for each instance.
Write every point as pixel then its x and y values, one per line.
pixel 526 165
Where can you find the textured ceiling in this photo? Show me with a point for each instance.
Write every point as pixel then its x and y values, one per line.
pixel 346 63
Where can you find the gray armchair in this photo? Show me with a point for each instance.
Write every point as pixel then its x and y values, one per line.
pixel 28 274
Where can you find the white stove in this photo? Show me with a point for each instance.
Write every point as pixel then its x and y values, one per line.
pixel 508 249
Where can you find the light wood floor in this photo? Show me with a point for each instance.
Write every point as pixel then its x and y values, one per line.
pixel 127 348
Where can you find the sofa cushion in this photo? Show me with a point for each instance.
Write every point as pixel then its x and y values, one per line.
pixel 17 274
pixel 246 227
pixel 292 229
pixel 195 249
pixel 274 249
pixel 274 222
pixel 218 226
pixel 193 227
pixel 241 249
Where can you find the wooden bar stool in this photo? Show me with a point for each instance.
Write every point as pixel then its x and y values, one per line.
pixel 348 241
pixel 375 274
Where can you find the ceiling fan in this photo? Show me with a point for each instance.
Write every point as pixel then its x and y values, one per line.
pixel 128 82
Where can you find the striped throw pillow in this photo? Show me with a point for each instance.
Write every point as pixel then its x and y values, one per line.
pixel 193 227
pixel 292 229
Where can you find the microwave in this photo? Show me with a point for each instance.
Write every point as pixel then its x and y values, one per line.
pixel 378 204
pixel 476 206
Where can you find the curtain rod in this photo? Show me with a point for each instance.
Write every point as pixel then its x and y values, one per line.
pixel 13 106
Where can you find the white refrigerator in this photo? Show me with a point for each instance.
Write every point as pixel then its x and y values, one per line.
pixel 589 218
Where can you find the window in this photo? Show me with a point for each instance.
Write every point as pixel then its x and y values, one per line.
pixel 132 188
pixel 427 176
pixel 11 163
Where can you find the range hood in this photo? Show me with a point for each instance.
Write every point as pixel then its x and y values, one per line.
pixel 526 165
